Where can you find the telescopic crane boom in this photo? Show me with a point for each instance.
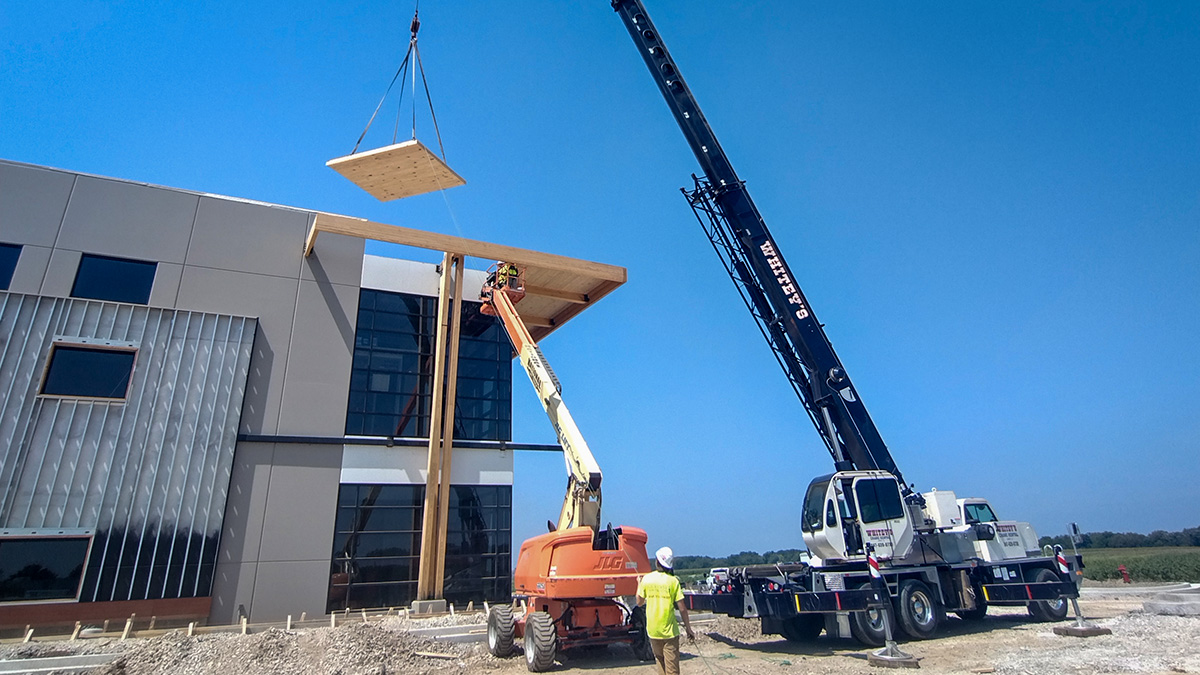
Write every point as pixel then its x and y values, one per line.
pixel 741 238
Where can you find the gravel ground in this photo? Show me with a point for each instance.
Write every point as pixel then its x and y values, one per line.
pixel 1006 643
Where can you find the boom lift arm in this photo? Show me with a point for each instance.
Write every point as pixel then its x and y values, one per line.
pixel 581 507
pixel 744 244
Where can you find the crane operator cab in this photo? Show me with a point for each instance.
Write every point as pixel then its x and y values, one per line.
pixel 845 510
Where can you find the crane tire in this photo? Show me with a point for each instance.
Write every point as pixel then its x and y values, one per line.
pixel 803 628
pixel 500 631
pixel 918 611
pixel 1046 610
pixel 867 626
pixel 541 642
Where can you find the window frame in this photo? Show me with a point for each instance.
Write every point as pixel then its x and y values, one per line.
pixel 24 534
pixel 100 256
pixel 90 346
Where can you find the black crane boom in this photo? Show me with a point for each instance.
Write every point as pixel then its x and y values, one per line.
pixel 742 241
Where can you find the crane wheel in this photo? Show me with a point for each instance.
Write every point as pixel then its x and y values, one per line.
pixel 541 642
pixel 642 650
pixel 802 629
pixel 867 626
pixel 919 611
pixel 1046 610
pixel 500 630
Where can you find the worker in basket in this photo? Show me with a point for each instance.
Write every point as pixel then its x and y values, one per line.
pixel 507 275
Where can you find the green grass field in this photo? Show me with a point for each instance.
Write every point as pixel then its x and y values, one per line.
pixel 1166 563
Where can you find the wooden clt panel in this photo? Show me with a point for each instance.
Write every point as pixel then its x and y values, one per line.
pixel 397 171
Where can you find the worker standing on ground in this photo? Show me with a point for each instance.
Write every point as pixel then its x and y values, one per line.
pixel 661 593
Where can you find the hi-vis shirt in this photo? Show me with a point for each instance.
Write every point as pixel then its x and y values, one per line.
pixel 661 592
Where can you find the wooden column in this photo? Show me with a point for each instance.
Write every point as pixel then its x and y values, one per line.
pixel 448 429
pixel 426 575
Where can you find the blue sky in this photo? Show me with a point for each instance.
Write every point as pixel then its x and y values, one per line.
pixel 994 208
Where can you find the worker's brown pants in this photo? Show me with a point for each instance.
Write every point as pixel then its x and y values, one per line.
pixel 666 655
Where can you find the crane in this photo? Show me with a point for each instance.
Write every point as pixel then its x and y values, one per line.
pixel 936 551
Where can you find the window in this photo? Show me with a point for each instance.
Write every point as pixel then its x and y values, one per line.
pixel 391 383
pixel 377 545
pixel 979 513
pixel 878 499
pixel 114 279
pixel 810 520
pixel 78 370
pixel 41 568
pixel 8 263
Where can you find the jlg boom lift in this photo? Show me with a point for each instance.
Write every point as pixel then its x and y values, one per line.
pixel 572 578
pixel 937 552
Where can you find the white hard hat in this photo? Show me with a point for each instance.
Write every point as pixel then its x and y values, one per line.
pixel 665 557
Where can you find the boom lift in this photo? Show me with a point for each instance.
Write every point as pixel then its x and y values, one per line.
pixel 937 552
pixel 573 578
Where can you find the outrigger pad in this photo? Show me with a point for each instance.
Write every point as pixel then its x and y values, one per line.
pixel 396 171
pixel 1081 631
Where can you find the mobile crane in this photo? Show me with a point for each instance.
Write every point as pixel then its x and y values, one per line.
pixel 572 579
pixel 936 552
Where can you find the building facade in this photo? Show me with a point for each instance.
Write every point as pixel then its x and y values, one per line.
pixel 200 421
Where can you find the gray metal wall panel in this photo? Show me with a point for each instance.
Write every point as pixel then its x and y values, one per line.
pixel 273 301
pixel 166 285
pixel 301 503
pixel 336 259
pixel 32 203
pixel 31 269
pixel 283 588
pixel 150 474
pixel 60 273
pixel 128 220
pixel 246 506
pixel 318 362
pixel 241 237
pixel 233 590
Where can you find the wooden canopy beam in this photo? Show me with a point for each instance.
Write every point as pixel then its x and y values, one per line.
pixel 366 229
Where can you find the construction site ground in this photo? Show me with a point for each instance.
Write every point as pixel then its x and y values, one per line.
pixel 1005 642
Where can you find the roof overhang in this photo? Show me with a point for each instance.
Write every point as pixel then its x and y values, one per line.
pixel 557 287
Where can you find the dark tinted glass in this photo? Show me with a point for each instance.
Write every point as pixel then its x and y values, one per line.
pixel 114 279
pixel 378 542
pixel 8 263
pixel 879 499
pixel 41 569
pixel 83 371
pixel 392 381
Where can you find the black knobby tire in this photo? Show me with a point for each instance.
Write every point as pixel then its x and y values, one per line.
pixel 919 612
pixel 500 630
pixel 867 627
pixel 803 628
pixel 1046 610
pixel 641 641
pixel 541 642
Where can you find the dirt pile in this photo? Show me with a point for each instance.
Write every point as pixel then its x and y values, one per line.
pixel 352 649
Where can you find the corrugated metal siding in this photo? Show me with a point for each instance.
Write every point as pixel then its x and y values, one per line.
pixel 149 474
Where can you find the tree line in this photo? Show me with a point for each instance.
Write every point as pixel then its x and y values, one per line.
pixel 1186 537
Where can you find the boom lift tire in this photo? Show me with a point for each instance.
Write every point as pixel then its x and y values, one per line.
pixel 802 629
pixel 500 630
pixel 919 612
pixel 867 626
pixel 541 642
pixel 1046 610
pixel 641 640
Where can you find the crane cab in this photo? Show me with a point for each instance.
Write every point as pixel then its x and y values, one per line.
pixel 846 510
